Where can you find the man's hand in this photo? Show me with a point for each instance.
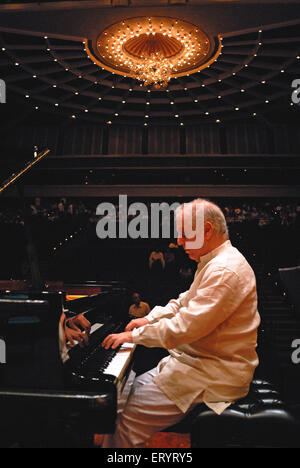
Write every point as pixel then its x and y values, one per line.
pixel 80 321
pixel 113 341
pixel 137 323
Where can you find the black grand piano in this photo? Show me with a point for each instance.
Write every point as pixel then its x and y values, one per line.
pixel 51 400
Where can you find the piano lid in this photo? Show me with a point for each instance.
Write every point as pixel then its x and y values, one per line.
pixel 19 171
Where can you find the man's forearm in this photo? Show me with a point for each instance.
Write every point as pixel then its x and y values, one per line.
pixel 169 311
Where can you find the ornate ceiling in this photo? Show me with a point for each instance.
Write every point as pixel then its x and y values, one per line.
pixel 131 41
pixel 53 73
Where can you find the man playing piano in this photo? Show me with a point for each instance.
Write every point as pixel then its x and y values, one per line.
pixel 210 332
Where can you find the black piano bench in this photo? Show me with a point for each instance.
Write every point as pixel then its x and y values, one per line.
pixel 259 420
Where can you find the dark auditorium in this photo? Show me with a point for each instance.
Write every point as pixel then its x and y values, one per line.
pixel 150 220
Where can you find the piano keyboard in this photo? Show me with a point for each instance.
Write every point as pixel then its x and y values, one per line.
pixel 121 360
pixel 96 362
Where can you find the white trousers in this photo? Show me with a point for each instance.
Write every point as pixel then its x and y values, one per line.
pixel 148 410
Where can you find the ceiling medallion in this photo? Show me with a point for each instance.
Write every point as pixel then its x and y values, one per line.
pixel 153 49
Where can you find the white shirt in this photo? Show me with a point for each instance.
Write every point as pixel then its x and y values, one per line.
pixel 210 332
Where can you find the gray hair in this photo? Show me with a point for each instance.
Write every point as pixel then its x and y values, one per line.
pixel 212 213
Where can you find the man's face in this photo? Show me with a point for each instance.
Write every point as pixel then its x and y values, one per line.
pixel 194 254
pixel 184 241
pixel 136 298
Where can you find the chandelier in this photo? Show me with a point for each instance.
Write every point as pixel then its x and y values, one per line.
pixel 150 57
pixel 153 50
pixel 154 70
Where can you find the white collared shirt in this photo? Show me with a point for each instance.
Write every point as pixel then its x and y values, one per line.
pixel 210 332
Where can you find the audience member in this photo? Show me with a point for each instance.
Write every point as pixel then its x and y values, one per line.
pixel 156 261
pixel 138 308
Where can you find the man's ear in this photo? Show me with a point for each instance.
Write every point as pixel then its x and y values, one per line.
pixel 208 230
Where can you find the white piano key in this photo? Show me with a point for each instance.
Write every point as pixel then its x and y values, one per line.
pixel 121 360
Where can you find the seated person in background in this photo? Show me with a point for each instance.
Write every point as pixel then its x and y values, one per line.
pixel 157 261
pixel 138 308
pixel 36 207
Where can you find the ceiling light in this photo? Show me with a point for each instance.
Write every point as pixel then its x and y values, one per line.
pixel 154 52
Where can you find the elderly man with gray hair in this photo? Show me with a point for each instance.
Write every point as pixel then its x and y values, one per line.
pixel 210 332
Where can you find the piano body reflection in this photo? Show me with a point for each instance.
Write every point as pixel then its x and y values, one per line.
pixel 44 401
pixel 47 401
